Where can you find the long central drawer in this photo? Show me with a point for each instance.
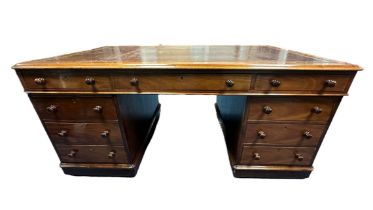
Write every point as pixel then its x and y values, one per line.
pixel 182 82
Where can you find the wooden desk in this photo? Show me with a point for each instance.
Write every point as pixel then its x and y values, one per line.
pixel 100 107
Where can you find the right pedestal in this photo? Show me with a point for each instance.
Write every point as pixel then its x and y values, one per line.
pixel 274 136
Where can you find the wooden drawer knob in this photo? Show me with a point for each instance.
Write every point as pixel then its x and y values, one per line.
pixel 229 83
pixel 111 155
pixel 89 81
pixel 275 83
pixel 256 156
pixel 267 109
pixel 299 157
pixel 330 83
pixel 52 108
pixel 307 134
pixel 134 82
pixel 40 81
pixel 97 108
pixel 261 134
pixel 105 133
pixel 72 153
pixel 316 110
pixel 62 133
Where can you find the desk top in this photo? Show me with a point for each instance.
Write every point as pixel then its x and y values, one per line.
pixel 188 57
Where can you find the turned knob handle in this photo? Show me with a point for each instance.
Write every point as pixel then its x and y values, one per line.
pixel 89 81
pixel 299 157
pixel 261 134
pixel 62 133
pixel 105 133
pixel 134 82
pixel 229 83
pixel 275 83
pixel 307 134
pixel 316 110
pixel 256 156
pixel 40 81
pixel 267 109
pixel 52 108
pixel 330 83
pixel 72 153
pixel 97 108
pixel 111 154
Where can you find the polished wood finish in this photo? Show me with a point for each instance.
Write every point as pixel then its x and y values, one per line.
pixel 285 134
pixel 66 80
pixel 303 82
pixel 117 169
pixel 294 156
pixel 85 133
pixel 182 82
pixel 100 107
pixel 230 111
pixel 92 154
pixel 185 82
pixel 189 57
pixel 75 108
pixel 290 109
pixel 273 143
pixel 137 113
pixel 100 129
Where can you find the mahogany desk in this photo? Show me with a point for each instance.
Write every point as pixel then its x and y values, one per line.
pixel 100 107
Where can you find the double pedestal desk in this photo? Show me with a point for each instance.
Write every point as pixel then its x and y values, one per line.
pixel 100 107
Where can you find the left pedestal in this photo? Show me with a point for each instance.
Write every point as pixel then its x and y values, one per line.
pixel 98 135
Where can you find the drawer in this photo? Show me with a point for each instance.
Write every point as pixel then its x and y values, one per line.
pixel 283 134
pixel 262 155
pixel 84 133
pixel 65 80
pixel 75 108
pixel 92 154
pixel 290 108
pixel 303 82
pixel 183 82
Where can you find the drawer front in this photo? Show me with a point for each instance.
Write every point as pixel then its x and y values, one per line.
pixel 92 154
pixel 84 133
pixel 183 82
pixel 283 134
pixel 297 156
pixel 65 80
pixel 291 108
pixel 75 108
pixel 303 82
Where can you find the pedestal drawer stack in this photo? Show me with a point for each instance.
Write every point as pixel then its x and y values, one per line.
pixel 285 130
pixel 83 129
pixel 278 134
pixel 92 134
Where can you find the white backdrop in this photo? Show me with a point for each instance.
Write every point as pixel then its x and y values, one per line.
pixel 30 176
